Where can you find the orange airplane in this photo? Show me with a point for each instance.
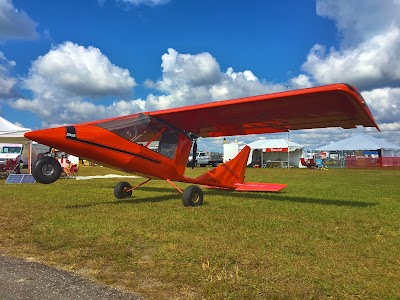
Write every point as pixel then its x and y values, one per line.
pixel 123 142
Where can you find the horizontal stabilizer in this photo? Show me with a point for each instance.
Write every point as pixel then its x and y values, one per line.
pixel 260 187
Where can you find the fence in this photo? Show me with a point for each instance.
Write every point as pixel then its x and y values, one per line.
pixel 369 162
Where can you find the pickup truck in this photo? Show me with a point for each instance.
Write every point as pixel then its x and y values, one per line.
pixel 204 158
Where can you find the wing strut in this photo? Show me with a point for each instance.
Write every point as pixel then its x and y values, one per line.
pixel 194 155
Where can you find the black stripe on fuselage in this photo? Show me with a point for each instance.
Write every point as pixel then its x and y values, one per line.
pixel 72 138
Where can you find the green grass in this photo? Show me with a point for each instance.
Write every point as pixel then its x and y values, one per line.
pixel 329 235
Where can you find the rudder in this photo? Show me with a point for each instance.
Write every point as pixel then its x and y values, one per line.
pixel 229 174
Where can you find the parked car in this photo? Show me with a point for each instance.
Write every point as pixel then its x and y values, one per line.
pixel 204 158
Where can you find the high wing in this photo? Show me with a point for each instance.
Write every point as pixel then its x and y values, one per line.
pixel 336 105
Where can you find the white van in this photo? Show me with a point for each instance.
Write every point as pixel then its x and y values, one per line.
pixel 9 151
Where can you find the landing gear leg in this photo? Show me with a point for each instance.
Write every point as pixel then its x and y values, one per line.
pixel 124 189
pixel 191 196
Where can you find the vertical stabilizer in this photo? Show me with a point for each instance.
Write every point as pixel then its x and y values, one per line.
pixel 229 174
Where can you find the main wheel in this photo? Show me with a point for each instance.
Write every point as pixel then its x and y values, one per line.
pixel 121 190
pixel 46 170
pixel 192 196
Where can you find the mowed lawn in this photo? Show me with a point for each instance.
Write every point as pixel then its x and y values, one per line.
pixel 329 235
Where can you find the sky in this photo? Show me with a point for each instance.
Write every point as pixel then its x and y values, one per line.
pixel 65 62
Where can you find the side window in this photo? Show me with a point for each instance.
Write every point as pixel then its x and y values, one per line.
pixel 168 143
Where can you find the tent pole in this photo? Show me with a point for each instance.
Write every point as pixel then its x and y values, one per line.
pixel 30 158
pixel 262 158
pixel 288 151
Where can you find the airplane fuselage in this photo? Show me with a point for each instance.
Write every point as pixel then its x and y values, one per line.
pixel 106 148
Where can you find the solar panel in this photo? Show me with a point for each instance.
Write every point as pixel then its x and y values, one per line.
pixel 20 178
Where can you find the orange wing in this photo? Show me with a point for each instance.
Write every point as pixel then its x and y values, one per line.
pixel 336 105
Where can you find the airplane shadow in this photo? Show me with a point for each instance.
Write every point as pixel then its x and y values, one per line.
pixel 282 196
pixel 126 201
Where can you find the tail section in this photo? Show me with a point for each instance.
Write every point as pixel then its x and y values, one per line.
pixel 229 174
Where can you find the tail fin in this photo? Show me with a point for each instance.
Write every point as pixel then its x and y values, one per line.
pixel 229 174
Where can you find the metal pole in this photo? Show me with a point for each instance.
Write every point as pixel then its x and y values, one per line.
pixel 262 158
pixel 288 152
pixel 30 157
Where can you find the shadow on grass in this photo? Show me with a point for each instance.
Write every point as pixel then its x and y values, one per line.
pixel 283 197
pixel 127 201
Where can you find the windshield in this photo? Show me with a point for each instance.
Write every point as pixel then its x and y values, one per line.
pixel 8 149
pixel 132 129
pixel 144 129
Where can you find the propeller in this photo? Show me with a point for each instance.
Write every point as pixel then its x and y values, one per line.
pixel 194 160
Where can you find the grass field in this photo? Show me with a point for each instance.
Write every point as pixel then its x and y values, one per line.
pixel 329 235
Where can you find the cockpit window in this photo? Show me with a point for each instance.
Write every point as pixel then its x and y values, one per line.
pixel 143 129
pixel 128 128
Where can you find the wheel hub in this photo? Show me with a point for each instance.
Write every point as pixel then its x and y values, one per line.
pixel 195 197
pixel 48 170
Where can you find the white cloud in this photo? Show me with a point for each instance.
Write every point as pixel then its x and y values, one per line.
pixel 186 79
pixel 59 111
pixel 137 2
pixel 196 70
pixel 360 21
pixel 62 80
pixel 301 81
pixel 7 82
pixel 373 63
pixel 241 84
pixel 15 24
pixel 369 54
pixel 189 79
pixel 385 104
pixel 71 69
pixel 145 2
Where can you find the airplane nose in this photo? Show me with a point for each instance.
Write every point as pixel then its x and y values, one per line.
pixel 50 137
pixel 32 135
pixel 65 138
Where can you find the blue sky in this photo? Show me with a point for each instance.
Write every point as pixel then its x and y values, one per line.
pixel 73 61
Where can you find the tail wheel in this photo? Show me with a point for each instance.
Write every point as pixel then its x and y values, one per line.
pixel 192 196
pixel 46 170
pixel 122 190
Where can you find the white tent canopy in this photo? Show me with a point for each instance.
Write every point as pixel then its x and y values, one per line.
pixel 363 142
pixel 11 133
pixel 275 143
pixel 277 150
